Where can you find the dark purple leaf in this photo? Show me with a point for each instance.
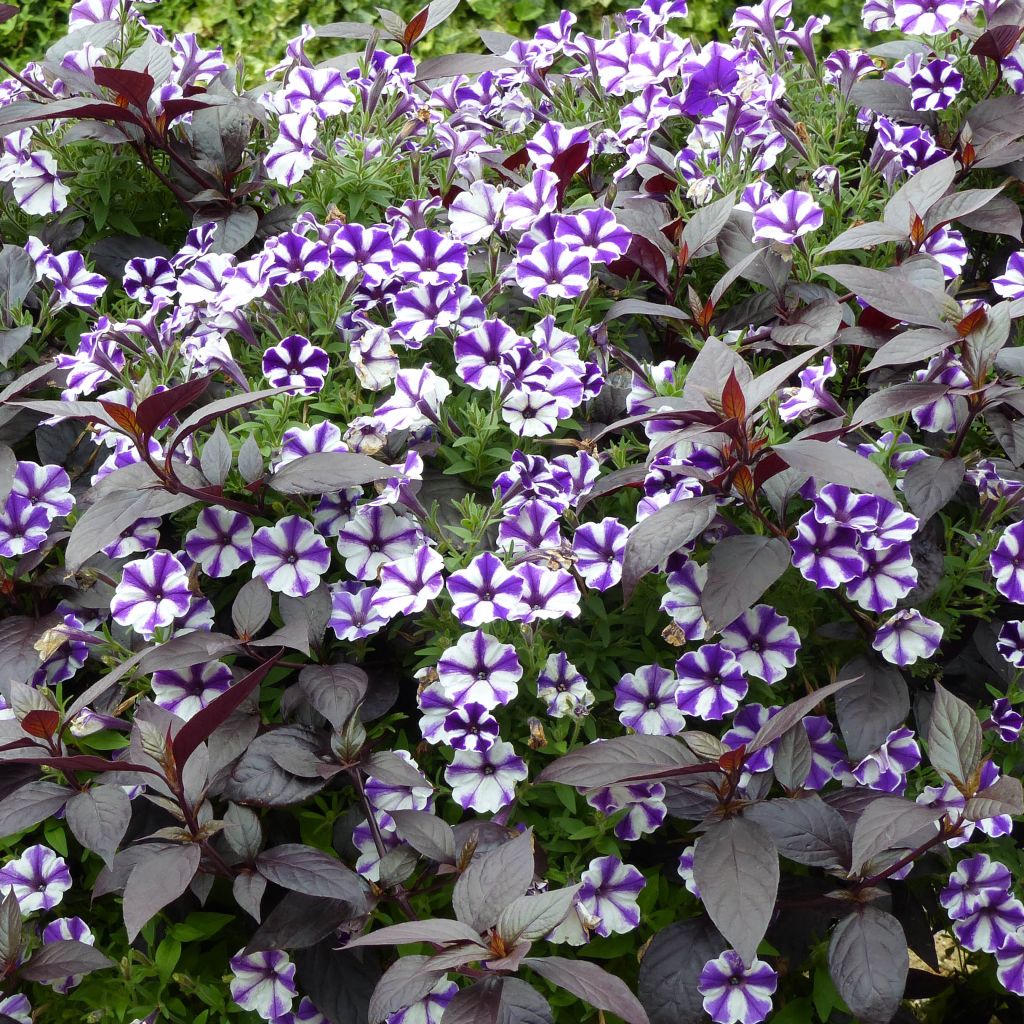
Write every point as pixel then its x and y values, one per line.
pixel 640 307
pixel 793 758
pixel 338 982
pixel 202 724
pixel 345 30
pixel 740 570
pixel 616 759
pixel 1000 216
pixel 886 824
pixel 158 879
pixel 427 834
pixel 954 735
pixel 872 706
pixel 334 690
pixel 452 65
pixel 522 1004
pixel 899 399
pixel 236 227
pixel 214 410
pixel 492 880
pixel 662 534
pixel 251 608
pixel 890 292
pixel 162 405
pixel 736 869
pixel 829 462
pixel 671 967
pixel 405 982
pixel 33 803
pixel 592 984
pixel 300 921
pixel 392 770
pixel 628 476
pixel 304 869
pixel 781 723
pixel 258 778
pixel 7 11
pixel 188 649
pixel 704 226
pixel 326 472
pixel 913 346
pixel 436 930
pixel 99 818
pixel 532 917
pixel 864 236
pixel 59 960
pixel 10 931
pixel 1004 796
pixel 248 889
pixel 806 831
pixel 134 86
pixel 868 961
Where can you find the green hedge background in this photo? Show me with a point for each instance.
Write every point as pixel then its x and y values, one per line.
pixel 259 29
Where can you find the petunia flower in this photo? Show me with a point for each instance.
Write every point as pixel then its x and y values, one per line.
pixel 471 727
pixel 474 214
pixel 407 584
pixel 886 768
pixel 263 982
pixel 355 614
pixel 977 882
pixel 304 1013
pixel 485 780
pixel 609 893
pixel 480 669
pixel 295 362
pixel 23 526
pixel 787 218
pixel 46 487
pixel 151 594
pixel 545 594
pixel 682 601
pixel 561 686
pixel 73 284
pixel 17 1007
pixel 187 691
pixel 1007 562
pixel 926 17
pixel 290 557
pixel 1009 964
pixel 1010 642
pixel 907 636
pixel 887 577
pixel 734 993
pixel 826 555
pixel 763 642
pixel 478 353
pixel 1007 722
pixel 1010 284
pixel 484 591
pixel 711 682
pixel 685 870
pixel 646 702
pixel 989 927
pixel 374 536
pixel 220 541
pixel 553 269
pixel 38 879
pixel 643 802
pixel 598 549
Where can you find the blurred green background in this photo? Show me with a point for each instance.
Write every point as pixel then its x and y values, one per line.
pixel 259 29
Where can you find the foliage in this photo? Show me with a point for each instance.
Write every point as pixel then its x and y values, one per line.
pixel 522 536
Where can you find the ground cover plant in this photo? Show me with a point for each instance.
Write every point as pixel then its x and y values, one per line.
pixel 526 536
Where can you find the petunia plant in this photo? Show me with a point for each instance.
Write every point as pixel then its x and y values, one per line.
pixel 529 536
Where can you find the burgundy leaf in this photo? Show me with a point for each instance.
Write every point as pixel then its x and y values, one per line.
pixel 153 411
pixel 134 86
pixel 202 724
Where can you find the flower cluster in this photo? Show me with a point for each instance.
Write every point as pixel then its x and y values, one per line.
pixel 604 443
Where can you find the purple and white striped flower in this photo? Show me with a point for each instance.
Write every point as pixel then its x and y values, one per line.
pixel 1010 642
pixel 545 594
pixel 152 593
pixel 935 85
pixel 988 928
pixel 484 591
pixel 428 1010
pixel 485 780
pixel 429 258
pixel 263 982
pixel 185 692
pixel 38 879
pixel 220 542
pixel 682 601
pixel 1007 562
pixel 907 636
pixel 1006 722
pixel 764 643
pixel 887 577
pixel 478 353
pixel 73 283
pixel 886 769
pixel 354 613
pixel 297 363
pixel 479 669
pixel 1010 284
pixel 598 549
pixel 787 218
pixel 977 882
pixel 609 892
pixel 290 557
pixel 711 682
pixel 646 702
pixel 926 17
pixel 826 555
pixel 643 802
pixel 374 536
pixel 471 727
pixel 561 686
pixel 553 269
pixel 23 526
pixel 735 994
pixel 1010 964
pixel 407 584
